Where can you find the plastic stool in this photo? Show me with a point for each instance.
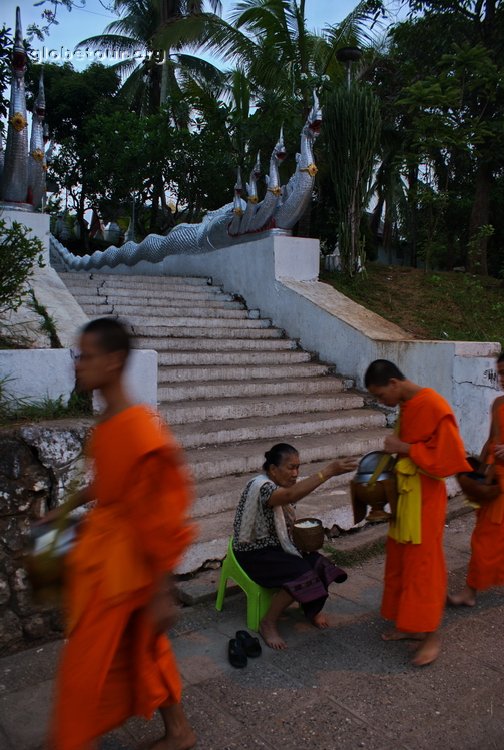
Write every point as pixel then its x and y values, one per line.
pixel 258 598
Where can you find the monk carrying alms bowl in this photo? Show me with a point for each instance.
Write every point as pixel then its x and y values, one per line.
pixel 374 485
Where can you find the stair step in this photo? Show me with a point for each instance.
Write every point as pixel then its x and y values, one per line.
pixel 143 323
pixel 153 305
pixel 243 458
pixel 268 406
pixel 82 279
pixel 202 359
pixel 176 293
pixel 164 333
pixel 222 389
pixel 231 372
pixel 164 314
pixel 278 428
pixel 215 345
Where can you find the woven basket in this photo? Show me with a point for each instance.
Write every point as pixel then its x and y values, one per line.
pixel 309 539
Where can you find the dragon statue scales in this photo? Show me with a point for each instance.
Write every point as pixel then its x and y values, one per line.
pixel 232 224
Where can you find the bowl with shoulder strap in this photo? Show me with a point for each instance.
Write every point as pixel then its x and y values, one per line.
pixel 481 485
pixel 374 485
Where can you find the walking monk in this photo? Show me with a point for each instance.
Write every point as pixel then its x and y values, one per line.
pixel 429 448
pixel 486 567
pixel 117 661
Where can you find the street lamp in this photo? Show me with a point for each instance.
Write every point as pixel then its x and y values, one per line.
pixel 347 56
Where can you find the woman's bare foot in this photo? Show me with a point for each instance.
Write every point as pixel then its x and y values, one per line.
pixel 465 598
pixel 401 635
pixel 271 636
pixel 428 651
pixel 321 621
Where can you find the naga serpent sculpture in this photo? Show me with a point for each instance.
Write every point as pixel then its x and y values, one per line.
pixel 232 224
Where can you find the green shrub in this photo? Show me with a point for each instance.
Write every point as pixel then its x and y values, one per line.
pixel 18 253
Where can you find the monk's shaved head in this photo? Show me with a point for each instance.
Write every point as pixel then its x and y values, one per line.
pixel 111 335
pixel 381 372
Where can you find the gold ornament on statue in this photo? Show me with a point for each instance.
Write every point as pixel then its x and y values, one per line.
pixel 18 121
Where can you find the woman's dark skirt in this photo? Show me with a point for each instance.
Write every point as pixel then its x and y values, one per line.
pixel 305 578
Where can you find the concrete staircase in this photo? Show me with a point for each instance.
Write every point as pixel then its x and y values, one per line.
pixel 231 385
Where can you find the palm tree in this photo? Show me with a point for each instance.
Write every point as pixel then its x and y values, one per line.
pixel 148 67
pixel 281 58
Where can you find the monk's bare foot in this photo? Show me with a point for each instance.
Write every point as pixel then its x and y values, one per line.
pixel 178 732
pixel 401 635
pixel 172 743
pixel 271 636
pixel 428 651
pixel 465 598
pixel 181 741
pixel 321 621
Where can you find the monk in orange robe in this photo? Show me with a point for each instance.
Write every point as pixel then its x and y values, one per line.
pixel 415 573
pixel 486 566
pixel 117 661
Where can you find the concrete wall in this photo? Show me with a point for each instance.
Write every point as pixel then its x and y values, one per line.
pixel 36 374
pixel 37 223
pixel 278 275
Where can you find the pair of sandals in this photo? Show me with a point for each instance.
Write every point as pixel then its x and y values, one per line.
pixel 242 647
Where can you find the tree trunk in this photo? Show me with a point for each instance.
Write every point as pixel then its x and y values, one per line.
pixel 412 213
pixel 84 235
pixel 480 212
pixel 376 220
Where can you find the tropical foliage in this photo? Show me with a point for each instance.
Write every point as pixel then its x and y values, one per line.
pixel 411 157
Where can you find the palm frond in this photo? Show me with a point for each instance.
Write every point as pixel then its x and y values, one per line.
pixel 110 42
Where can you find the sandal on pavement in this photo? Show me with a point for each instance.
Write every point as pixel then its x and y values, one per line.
pixel 250 645
pixel 236 654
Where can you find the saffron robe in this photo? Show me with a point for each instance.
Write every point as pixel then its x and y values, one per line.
pixel 415 574
pixel 486 567
pixel 113 665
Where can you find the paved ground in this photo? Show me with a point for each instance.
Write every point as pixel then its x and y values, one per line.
pixel 333 690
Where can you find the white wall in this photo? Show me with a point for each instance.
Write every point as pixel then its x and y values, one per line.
pixel 38 224
pixel 36 374
pixel 278 275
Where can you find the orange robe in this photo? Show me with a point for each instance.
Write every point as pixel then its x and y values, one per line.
pixel 113 666
pixel 486 567
pixel 415 574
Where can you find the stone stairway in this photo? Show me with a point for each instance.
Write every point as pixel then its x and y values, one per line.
pixel 231 385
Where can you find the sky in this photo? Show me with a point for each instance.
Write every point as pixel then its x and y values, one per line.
pixel 93 17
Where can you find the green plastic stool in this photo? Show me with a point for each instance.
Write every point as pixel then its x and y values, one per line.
pixel 258 598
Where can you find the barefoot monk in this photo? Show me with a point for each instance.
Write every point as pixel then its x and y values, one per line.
pixel 486 567
pixel 263 544
pixel 117 661
pixel 429 447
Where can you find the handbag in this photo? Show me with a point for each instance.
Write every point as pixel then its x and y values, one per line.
pixel 481 485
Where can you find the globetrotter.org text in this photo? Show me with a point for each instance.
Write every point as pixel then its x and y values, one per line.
pixel 63 54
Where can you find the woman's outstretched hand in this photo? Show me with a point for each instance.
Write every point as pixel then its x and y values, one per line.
pixel 340 466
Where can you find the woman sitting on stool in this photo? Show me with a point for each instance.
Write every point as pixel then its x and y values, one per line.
pixel 262 541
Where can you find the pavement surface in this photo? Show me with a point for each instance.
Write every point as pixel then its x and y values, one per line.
pixel 337 689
